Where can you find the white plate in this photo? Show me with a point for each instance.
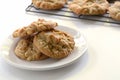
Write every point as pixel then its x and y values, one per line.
pixel 7 51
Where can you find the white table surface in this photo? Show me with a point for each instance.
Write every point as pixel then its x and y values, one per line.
pixel 100 62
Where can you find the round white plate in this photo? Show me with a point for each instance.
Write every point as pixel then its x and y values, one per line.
pixel 8 46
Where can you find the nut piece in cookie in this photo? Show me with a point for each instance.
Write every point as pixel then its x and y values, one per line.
pixel 54 43
pixel 27 51
pixel 89 7
pixel 114 10
pixel 40 25
pixel 49 4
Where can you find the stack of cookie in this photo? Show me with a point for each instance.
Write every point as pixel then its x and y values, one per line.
pixel 40 40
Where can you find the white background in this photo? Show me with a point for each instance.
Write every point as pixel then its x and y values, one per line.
pixel 100 62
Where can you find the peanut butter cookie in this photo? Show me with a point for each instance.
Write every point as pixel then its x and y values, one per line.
pixel 40 25
pixel 89 7
pixel 54 43
pixel 49 4
pixel 114 10
pixel 27 51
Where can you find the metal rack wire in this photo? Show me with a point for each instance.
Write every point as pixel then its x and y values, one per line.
pixel 65 12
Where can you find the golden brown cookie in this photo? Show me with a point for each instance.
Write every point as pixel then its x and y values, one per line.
pixel 89 7
pixel 114 10
pixel 49 4
pixel 27 51
pixel 54 43
pixel 40 25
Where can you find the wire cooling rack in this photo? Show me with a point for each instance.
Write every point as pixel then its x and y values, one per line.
pixel 65 12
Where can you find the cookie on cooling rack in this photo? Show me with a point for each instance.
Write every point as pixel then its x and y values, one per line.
pixel 114 10
pixel 40 25
pixel 89 7
pixel 49 4
pixel 27 51
pixel 54 43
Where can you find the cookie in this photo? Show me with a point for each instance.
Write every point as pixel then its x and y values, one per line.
pixel 54 43
pixel 49 4
pixel 114 11
pixel 40 25
pixel 89 7
pixel 27 51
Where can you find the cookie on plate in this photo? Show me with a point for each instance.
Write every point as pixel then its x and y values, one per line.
pixel 89 7
pixel 114 10
pixel 27 51
pixel 40 25
pixel 54 43
pixel 49 4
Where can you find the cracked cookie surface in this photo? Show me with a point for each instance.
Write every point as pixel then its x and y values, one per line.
pixel 36 26
pixel 114 11
pixel 89 7
pixel 55 44
pixel 49 4
pixel 27 51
